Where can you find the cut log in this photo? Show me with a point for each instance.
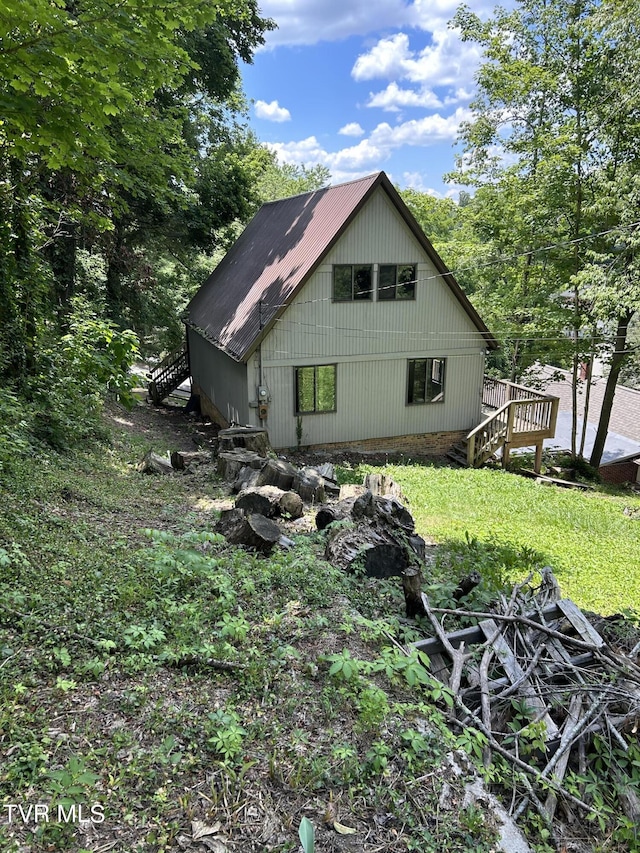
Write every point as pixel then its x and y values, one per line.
pixel 152 463
pixel 367 549
pixel 309 485
pixel 270 501
pixel 231 462
pixel 277 472
pixel 381 484
pixel 466 584
pixel 247 479
pixel 326 471
pixel 253 531
pixel 350 490
pixel 245 438
pixel 326 515
pixel 184 459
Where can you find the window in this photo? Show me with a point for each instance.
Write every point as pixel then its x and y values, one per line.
pixel 315 389
pixel 396 281
pixel 351 282
pixel 426 380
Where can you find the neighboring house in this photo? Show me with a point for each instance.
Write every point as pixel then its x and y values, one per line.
pixel 626 469
pixel 333 321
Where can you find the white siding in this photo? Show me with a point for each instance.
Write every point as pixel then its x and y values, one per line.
pixel 371 343
pixel 222 379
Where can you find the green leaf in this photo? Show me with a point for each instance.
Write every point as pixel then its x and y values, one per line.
pixel 307 835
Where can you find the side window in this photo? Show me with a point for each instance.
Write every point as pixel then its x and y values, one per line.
pixel 396 281
pixel 315 389
pixel 352 282
pixel 426 380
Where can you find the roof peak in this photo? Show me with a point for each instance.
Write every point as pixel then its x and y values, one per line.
pixel 372 178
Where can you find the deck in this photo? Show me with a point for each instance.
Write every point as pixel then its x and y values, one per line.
pixel 518 417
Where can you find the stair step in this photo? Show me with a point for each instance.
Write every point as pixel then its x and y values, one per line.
pixel 459 458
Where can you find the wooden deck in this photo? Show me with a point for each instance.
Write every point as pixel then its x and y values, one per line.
pixel 520 417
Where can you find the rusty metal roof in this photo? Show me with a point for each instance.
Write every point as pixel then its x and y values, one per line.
pixel 276 254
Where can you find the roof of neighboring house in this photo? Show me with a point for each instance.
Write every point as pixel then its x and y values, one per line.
pixel 277 253
pixel 623 460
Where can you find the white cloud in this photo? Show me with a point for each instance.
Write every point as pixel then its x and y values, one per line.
pixel 351 129
pixel 393 98
pixel 312 21
pixel 272 111
pixel 447 62
pixel 370 154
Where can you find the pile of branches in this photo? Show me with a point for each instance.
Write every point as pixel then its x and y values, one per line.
pixel 541 684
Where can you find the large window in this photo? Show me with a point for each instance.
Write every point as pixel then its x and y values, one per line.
pixel 351 282
pixel 315 389
pixel 426 380
pixel 396 281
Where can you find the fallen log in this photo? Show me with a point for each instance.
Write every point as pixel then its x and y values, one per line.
pixel 182 460
pixel 231 462
pixel 309 485
pixel 270 501
pixel 253 531
pixel 277 472
pixel 366 549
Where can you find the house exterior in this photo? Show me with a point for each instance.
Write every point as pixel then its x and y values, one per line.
pixel 332 321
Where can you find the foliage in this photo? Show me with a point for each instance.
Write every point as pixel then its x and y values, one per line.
pixel 144 660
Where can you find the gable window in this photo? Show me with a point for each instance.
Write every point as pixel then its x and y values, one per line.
pixel 315 389
pixel 426 380
pixel 396 281
pixel 352 282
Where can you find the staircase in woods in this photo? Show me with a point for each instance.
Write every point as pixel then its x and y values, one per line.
pixel 516 417
pixel 170 373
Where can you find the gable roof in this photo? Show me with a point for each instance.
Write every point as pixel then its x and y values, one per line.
pixel 277 253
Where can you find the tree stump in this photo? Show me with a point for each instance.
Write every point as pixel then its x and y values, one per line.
pixel 412 587
pixel 245 438
pixel 253 531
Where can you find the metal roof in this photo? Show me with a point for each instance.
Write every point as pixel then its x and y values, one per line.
pixel 276 254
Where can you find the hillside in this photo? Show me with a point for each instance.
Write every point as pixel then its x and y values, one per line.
pixel 191 696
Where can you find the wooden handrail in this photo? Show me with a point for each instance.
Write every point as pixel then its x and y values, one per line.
pixel 515 422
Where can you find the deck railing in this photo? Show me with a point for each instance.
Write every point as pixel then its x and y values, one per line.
pixel 522 417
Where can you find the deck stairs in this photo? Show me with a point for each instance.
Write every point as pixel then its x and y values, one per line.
pixel 515 416
pixel 168 375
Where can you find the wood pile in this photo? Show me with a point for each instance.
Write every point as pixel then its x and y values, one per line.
pixel 538 680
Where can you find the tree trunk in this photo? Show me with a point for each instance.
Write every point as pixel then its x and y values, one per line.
pixel 617 361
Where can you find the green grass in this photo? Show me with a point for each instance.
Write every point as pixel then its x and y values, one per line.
pixel 592 546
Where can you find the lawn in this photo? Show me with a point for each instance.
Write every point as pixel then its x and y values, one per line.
pixel 591 540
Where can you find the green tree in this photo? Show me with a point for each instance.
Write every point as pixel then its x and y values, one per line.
pixel 546 123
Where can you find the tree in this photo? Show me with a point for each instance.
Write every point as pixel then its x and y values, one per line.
pixel 109 113
pixel 546 99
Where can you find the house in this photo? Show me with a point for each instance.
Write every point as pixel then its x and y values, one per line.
pixel 333 322
pixel 625 469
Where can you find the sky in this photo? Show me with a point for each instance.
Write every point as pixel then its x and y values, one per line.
pixel 365 85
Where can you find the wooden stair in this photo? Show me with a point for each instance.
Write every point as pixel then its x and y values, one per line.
pixel 168 375
pixel 522 417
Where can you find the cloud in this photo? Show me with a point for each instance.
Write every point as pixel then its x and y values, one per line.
pixel 393 99
pixel 272 111
pixel 311 21
pixel 369 154
pixel 351 129
pixel 447 62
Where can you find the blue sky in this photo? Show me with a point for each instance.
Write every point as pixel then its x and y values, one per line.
pixel 364 85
